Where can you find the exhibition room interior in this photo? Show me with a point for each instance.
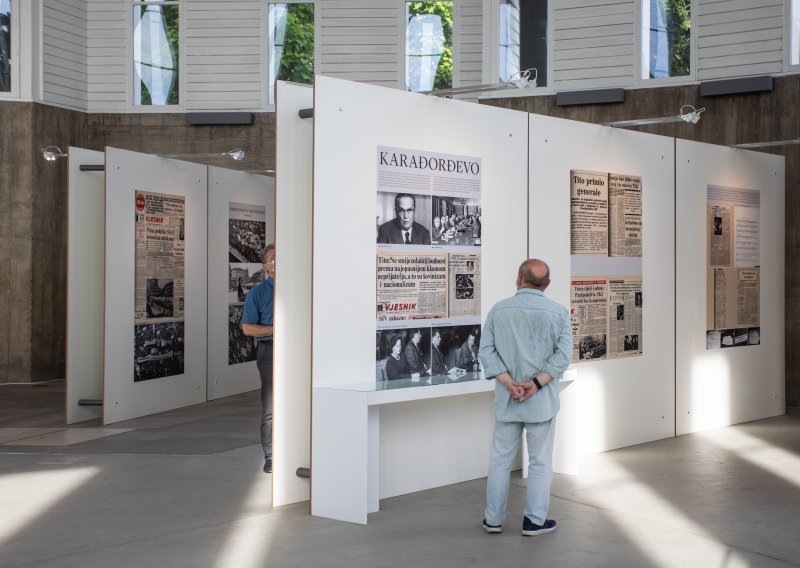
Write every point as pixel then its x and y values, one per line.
pixel 647 150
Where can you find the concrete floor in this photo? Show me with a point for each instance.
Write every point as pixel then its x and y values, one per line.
pixel 185 489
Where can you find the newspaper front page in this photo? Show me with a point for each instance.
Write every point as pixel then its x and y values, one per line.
pixel 589 313
pixel 159 285
pixel 464 285
pixel 411 286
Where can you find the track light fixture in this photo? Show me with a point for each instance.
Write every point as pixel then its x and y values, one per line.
pixel 236 154
pixel 767 144
pixel 52 153
pixel 519 80
pixel 687 114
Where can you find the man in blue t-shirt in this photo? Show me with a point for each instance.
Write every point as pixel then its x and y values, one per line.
pixel 257 321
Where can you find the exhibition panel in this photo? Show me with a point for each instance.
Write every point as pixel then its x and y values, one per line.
pixel 292 379
pixel 85 261
pixel 241 222
pixel 602 216
pixel 730 286
pixel 385 160
pixel 155 284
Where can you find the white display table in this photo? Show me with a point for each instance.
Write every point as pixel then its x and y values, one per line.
pixel 346 434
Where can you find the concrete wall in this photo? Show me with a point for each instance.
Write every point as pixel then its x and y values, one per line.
pixel 727 120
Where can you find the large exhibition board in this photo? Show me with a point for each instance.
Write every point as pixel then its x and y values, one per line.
pixel 85 246
pixel 621 401
pixel 241 222
pixel 291 435
pixel 352 122
pixel 730 286
pixel 155 284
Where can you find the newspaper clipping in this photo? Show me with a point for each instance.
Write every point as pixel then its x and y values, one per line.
pixel 464 274
pixel 428 261
pixel 412 286
pixel 589 312
pixel 159 285
pixel 606 316
pixel 734 275
pixel 247 234
pixel 625 215
pixel 589 206
pixel 624 317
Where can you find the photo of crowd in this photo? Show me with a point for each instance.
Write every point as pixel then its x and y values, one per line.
pixel 160 298
pixel 593 347
pixel 246 240
pixel 158 350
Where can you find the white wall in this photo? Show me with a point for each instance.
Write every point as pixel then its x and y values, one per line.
pixel 727 386
pixel 85 284
pixel 345 186
pixel 293 206
pixel 622 401
pixel 126 173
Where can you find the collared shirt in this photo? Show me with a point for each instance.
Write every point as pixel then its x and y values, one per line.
pixel 259 306
pixel 524 335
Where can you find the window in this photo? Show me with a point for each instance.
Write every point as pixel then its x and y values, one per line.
pixel 522 39
pixel 429 46
pixel 795 33
pixel 291 44
pixel 5 46
pixel 156 39
pixel 666 31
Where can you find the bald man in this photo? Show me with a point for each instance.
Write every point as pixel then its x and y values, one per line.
pixel 526 346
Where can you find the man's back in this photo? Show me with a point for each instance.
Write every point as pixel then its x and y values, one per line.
pixel 524 335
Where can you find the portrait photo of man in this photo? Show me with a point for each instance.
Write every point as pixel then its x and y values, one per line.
pixel 403 229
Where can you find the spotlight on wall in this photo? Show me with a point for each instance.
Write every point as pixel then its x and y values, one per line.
pixel 687 114
pixel 519 80
pixel 236 154
pixel 52 153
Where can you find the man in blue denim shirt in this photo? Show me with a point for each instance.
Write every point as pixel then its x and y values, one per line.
pixel 526 346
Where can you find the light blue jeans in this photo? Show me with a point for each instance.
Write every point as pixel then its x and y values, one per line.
pixel 507 436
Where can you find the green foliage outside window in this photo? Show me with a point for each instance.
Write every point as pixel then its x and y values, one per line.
pixel 171 15
pixel 297 60
pixel 444 73
pixel 678 30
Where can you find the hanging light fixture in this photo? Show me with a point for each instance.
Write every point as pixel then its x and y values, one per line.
pixel 687 114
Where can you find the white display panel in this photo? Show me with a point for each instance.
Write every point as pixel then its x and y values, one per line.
pixel 126 173
pixel 621 401
pixel 718 387
pixel 85 260
pixel 294 205
pixel 226 187
pixel 351 121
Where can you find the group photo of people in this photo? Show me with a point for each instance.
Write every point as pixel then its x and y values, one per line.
pixel 424 355
pixel 246 239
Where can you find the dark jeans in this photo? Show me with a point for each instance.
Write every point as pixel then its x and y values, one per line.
pixel 264 363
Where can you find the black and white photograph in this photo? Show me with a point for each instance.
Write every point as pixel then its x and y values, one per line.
pixel 740 338
pixel 160 298
pixel 456 221
pixel 158 350
pixel 637 299
pixel 465 286
pixel 631 343
pixel 402 219
pixel 247 232
pixel 620 312
pixel 454 351
pixel 592 347
pixel 728 338
pixel 717 225
pixel 402 354
pixel 241 348
pixel 713 339
pixel 241 279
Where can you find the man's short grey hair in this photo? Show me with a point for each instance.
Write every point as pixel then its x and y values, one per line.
pixel 269 247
